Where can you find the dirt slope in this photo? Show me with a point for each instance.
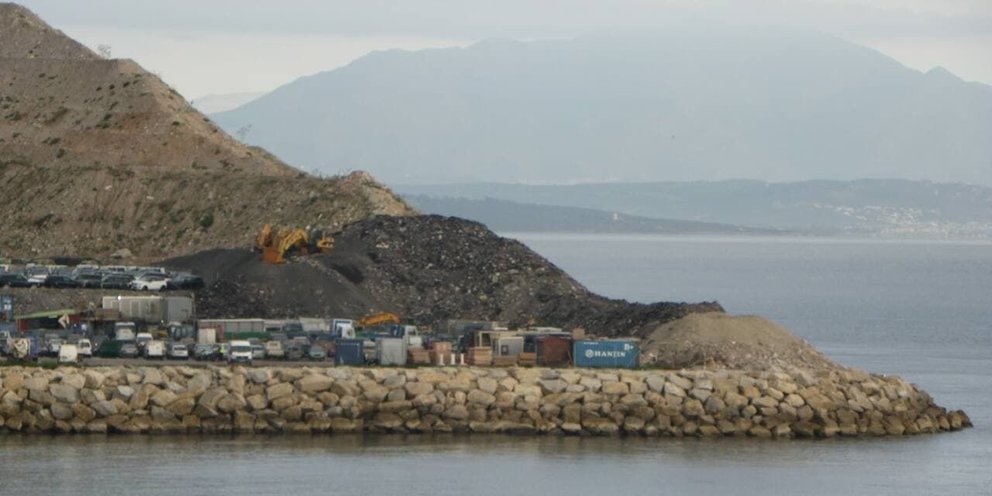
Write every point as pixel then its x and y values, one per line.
pixel 736 342
pixel 98 155
pixel 427 268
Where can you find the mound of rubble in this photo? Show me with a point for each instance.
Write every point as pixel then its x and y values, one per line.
pixel 727 341
pixel 426 268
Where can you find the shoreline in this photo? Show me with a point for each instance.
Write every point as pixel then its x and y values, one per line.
pixel 523 401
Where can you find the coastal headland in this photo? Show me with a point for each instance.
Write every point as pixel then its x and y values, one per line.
pixel 308 400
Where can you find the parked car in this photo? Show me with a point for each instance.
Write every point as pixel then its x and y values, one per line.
pixel 128 350
pixel 205 352
pixel 186 281
pixel 116 281
pixel 178 351
pixel 150 282
pixel 60 281
pixel 84 348
pixel 317 353
pixel 273 350
pixel 295 352
pixel 8 280
pixel 155 349
pixel 88 280
pixel 257 352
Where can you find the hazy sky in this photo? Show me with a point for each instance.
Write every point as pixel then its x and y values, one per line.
pixel 226 46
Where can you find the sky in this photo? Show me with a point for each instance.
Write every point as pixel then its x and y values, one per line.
pixel 208 47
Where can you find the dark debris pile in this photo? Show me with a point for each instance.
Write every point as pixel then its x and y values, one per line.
pixel 427 268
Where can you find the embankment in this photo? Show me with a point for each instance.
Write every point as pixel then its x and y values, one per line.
pixel 518 400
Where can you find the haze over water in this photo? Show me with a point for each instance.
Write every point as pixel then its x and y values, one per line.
pixel 917 309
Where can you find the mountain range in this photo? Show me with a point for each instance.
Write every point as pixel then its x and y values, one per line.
pixel 680 105
pixel 862 207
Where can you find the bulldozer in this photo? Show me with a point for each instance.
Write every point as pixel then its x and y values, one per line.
pixel 276 245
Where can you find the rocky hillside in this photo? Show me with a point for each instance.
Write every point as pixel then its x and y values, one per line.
pixel 428 269
pixel 100 155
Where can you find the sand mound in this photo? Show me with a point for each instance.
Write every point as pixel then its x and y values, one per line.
pixel 721 340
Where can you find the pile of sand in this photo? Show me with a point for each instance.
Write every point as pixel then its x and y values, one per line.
pixel 720 340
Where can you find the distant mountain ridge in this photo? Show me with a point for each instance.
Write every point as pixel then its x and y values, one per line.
pixel 673 106
pixel 873 207
pixel 509 216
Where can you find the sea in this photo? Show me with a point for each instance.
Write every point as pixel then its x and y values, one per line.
pixel 918 309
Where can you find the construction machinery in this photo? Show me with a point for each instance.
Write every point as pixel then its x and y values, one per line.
pixel 276 245
pixel 379 318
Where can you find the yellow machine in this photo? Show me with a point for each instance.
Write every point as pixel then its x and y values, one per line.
pixel 276 245
pixel 379 318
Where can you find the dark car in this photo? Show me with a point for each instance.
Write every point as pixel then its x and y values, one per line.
pixel 317 353
pixel 295 352
pixel 14 281
pixel 206 352
pixel 89 280
pixel 186 281
pixel 116 281
pixel 60 281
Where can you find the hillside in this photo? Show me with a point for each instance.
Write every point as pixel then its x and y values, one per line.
pixel 681 105
pixel 882 207
pixel 100 155
pixel 428 269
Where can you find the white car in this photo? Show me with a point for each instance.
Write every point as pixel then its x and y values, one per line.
pixel 178 351
pixel 150 282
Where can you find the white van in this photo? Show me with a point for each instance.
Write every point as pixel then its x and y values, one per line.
pixel 85 348
pixel 68 353
pixel 155 349
pixel 240 351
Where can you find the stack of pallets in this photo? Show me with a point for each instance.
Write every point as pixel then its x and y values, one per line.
pixel 418 356
pixel 480 356
pixel 527 359
pixel 504 361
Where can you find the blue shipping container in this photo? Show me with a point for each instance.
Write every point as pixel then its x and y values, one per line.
pixel 7 308
pixel 614 354
pixel 349 352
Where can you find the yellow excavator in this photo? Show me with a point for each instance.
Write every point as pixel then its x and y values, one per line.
pixel 275 245
pixel 378 318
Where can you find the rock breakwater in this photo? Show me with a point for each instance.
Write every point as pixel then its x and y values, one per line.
pixel 307 400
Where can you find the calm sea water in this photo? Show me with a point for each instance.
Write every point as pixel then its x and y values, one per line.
pixel 921 310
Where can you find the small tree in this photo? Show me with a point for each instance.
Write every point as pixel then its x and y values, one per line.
pixel 104 51
pixel 242 132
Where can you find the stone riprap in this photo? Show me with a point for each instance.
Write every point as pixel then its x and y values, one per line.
pixel 708 403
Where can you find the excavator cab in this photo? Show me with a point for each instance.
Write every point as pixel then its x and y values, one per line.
pixel 277 245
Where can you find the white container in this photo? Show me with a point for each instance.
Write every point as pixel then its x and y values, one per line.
pixel 391 351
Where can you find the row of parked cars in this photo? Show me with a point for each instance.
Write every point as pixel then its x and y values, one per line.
pixel 139 279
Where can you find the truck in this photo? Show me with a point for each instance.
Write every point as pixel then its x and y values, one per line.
pixel 125 331
pixel 155 349
pixel 409 333
pixel 240 351
pixel 342 329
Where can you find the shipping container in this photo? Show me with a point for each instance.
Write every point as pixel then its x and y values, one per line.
pixel 229 329
pixel 349 352
pixel 553 351
pixel 151 308
pixel 508 346
pixel 390 351
pixel 620 354
pixel 315 326
pixel 7 308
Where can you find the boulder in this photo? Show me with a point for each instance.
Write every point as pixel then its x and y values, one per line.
pixel 315 383
pixel 64 393
pixel 278 391
pixel 104 408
